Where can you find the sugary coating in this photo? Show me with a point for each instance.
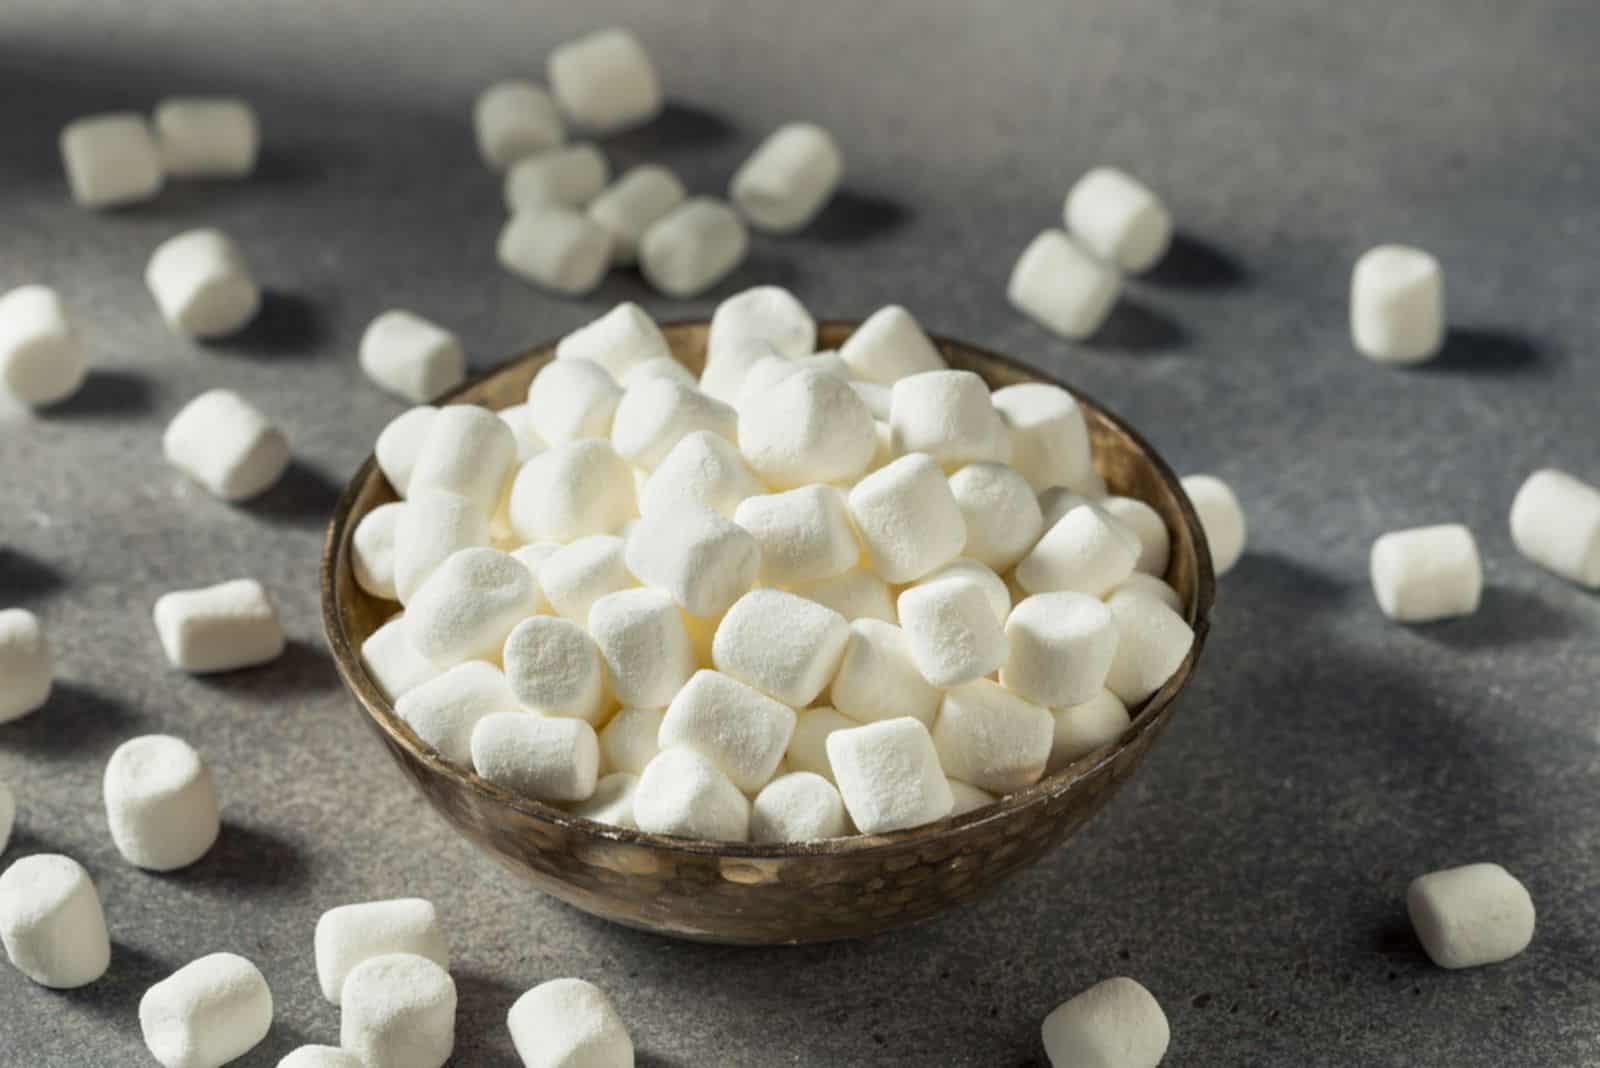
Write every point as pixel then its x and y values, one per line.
pixel 657 413
pixel 1083 728
pixel 571 490
pixel 994 587
pixel 620 340
pixel 548 758
pixel 611 802
pixel 1061 648
pixel 207 1013
pixel 1427 573
pixel 798 807
pixel 1397 305
pixel 889 776
pixel 569 176
pixel 1001 513
pixel 682 793
pixel 605 80
pixel 630 740
pixel 41 357
pixel 693 247
pixel 399 444
pixel 224 443
pixel 1472 915
pixel 1049 437
pixel 1086 551
pixel 556 248
pixel 398 1011
pixel 1061 286
pixel 202 284
pixel 1116 1023
pixel 1146 524
pixel 219 628
pixel 991 738
pixel 1057 501
pixel 468 451
pixel 1555 522
pixel 161 803
pixel 574 576
pixel 349 934
pixel 809 427
pixel 435 525
pixel 111 159
pixel 785 646
pixel 554 668
pixel 856 594
pixel 789 178
pixel 24 664
pixel 703 468
pixel 1118 218
pixel 51 923
pixel 949 416
pixel 805 534
pixel 879 679
pixel 768 314
pixel 889 346
pixel 410 356
pixel 443 710
pixel 515 119
pixel 907 518
pixel 645 645
pixel 569 1023
pixel 739 730
pixel 394 666
pixel 1152 642
pixel 632 204
pixel 1221 517
pixel 952 632
pixel 468 605
pixel 704 561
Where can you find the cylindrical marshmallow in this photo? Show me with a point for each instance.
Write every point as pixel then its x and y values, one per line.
pixel 161 803
pixel 1555 522
pixel 202 284
pixel 394 667
pixel 908 519
pixel 693 247
pixel 372 550
pixel 411 357
pixel 788 179
pixel 605 81
pixel 655 414
pixel 1472 915
pixel 809 427
pixel 766 314
pixel 1114 1024
pixel 207 1013
pixel 556 248
pixel 808 746
pixel 207 136
pixel 1397 305
pixel 1118 219
pixel 1001 513
pixel 400 443
pixel 1427 573
pixel 1221 518
pixel 570 491
pixel 554 668
pixel 620 340
pixel 568 1023
pixel 742 732
pixel 805 534
pixel 798 807
pixel 572 399
pixel 41 359
pixel 515 119
pixel 949 416
pixel 1057 283
pixel 468 451
pixel 1150 586
pixel 994 587
pixel 1086 551
pixel 684 794
pixel 968 798
pixel 1146 524
pixel 219 628
pixel 951 628
pixel 349 934
pixel 223 442
pixel 888 346
pixel 398 1011
pixel 574 576
pixel 645 645
pixel 633 204
pixel 1061 648
pixel 24 664
pixel 988 736
pixel 704 561
pixel 443 710
pixel 468 605
pixel 51 922
pixel 703 468
pixel 856 594
pixel 878 678
pixel 547 758
pixel 889 776
pixel 1083 728
pixel 629 741
pixel 1049 438
pixel 435 525
pixel 785 646
pixel 565 177
pixel 1152 642
pixel 111 159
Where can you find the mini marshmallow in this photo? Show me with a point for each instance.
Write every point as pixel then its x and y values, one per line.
pixel 556 248
pixel 769 314
pixel 444 710
pixel 611 802
pixel 703 560
pixel 571 490
pixel 410 356
pixel 24 664
pixel 434 527
pixel 372 550
pixel 785 646
pixel 513 120
pixel 808 746
pixel 949 416
pixel 575 576
pixel 991 738
pixel 952 632
pixel 1150 586
pixel 554 667
pixel 41 359
pixel 8 816
pixel 207 1013
pixel 693 247
pixel 804 534
pixel 1001 513
pixel 878 677
pixel 565 177
pixel 202 285
pixel 879 400
pixel 393 665
pixel 1061 648
pixel 605 81
pixel 207 136
pixel 1427 573
pixel 1061 286
pixel 654 415
pixel 809 427
pixel 161 803
pixel 224 443
pixel 889 776
pixel 659 367
pixel 742 732
pixel 1146 524
pixel 788 179
pixel 1220 517
pixel 857 594
pixel 532 556
pixel 1118 219
pixel 1473 915
pixel 1114 1024
pixel 320 1057
pixel 111 160
pixel 1056 502
pixel 798 807
pixel 1083 728
pixel 629 741
pixel 907 518
pixel 682 793
pixel 568 1023
pixel 468 605
pixel 1049 437
pixel 703 468
pixel 1397 305
pixel 51 922
pixel 620 340
pixel 763 375
pixel 398 1011
pixel 218 628
pixel 994 587
pixel 1152 642
pixel 467 451
pixel 547 758
pixel 1555 522
pixel 968 798
pixel 890 346
pixel 634 203
pixel 400 443
pixel 350 934
pixel 571 399
pixel 1086 551
pixel 647 650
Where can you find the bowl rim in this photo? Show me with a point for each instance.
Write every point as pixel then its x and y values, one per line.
pixel 379 710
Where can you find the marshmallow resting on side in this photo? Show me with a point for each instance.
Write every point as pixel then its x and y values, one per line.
pixel 682 793
pixel 467 606
pixel 1002 514
pixel 554 668
pixel 394 666
pixel 889 776
pixel 1555 522
pixel 693 247
pixel 1118 219
pixel 568 1023
pixel 566 177
pixel 856 594
pixel 949 416
pixel 908 519
pixel 574 576
pixel 1083 728
pixel 468 451
pixel 634 203
pixel 556 248
pixel 1427 573
pixel 798 807
pixel 1116 1023
pixel 788 179
pixel 350 934
pixel 111 160
pixel 605 81
pixel 879 679
pixel 207 136
pixel 434 526
pixel 398 1010
pixel 548 758
pixel 988 736
pixel 202 284
pixel 952 631
pixel 161 803
pixel 703 468
pixel 444 710
pixel 1397 305
pixel 1061 648
pixel 211 1011
pixel 1049 438
pixel 739 730
pixel 41 358
pixel 646 647
pixel 804 534
pixel 400 443
pixel 223 442
pixel 704 561
pixel 372 550
pixel 411 357
pixel 620 340
pixel 889 346
pixel 24 664
pixel 1060 285
pixel 1152 642
pixel 572 490
pixel 785 646
pixel 219 628
pixel 51 923
pixel 1472 915
pixel 1221 518
pixel 808 746
pixel 515 119
pixel 1086 551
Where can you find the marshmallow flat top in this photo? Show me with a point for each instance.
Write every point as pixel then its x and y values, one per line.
pixel 111 159
pixel 399 1010
pixel 1114 1024
pixel 219 628
pixel 1118 218
pixel 349 934
pixel 889 346
pixel 1472 915
pixel 161 803
pixel 783 645
pixel 226 444
pixel 620 340
pixel 515 119
pixel 634 203
pixel 738 729
pixel 889 775
pixel 1221 517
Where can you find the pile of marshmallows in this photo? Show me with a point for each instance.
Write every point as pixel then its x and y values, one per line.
pixel 633 593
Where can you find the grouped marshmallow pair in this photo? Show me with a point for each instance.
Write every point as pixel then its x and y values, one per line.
pixel 122 157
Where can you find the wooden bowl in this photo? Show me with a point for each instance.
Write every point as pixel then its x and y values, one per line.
pixel 770 894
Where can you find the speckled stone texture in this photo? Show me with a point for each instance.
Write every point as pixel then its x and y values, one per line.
pixel 1252 875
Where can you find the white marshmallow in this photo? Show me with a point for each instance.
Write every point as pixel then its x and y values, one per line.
pixel 24 664
pixel 788 179
pixel 1150 586
pixel 467 451
pixel 1473 915
pixel 994 587
pixel 1146 524
pixel 573 489
pixel 350 934
pixel 1427 573
pixel 161 803
pixel 1061 648
pixel 568 1023
pixel 372 550
pixel 400 443
pixel 1061 286
pixel 41 359
pixel 1114 1024
pixel 202 284
pixel 989 737
pixel 889 776
pixel 207 136
pixel 218 628
pixel 804 534
pixel 1152 642
pixel 513 120
pixel 398 1011
pixel 693 247
pixel 1086 551
pixel 809 427
pixel 634 203
pixel 1555 522
pixel 763 375
pixel 703 560
pixel 1118 219
pixel 320 1057
pixel 659 367
pixel 879 679
pixel 654 415
pixel 647 650
pixel 702 469
pixel 856 594
pixel 952 631
pixel 571 399
pixel 1001 513
pixel 605 81
pixel 1221 518
pixel 51 922
pixel 394 666
pixel 207 1013
pixel 575 576
pixel 468 605
pixel 798 807
pixel 565 177
pixel 808 746
pixel 968 798
pixel 879 400
pixel 548 758
pixel 728 367
pixel 224 443
pixel 434 526
pixel 769 314
pixel 742 732
pixel 629 741
pixel 620 340
pixel 411 357
pixel 949 416
pixel 611 802
pixel 1397 305
pixel 556 248
pixel 1056 502
pixel 1083 728
pixel 890 346
pixel 444 710
pixel 553 667
pixel 907 518
pixel 111 159
pixel 785 646
pixel 682 793
pixel 532 556
pixel 8 816
pixel 1049 437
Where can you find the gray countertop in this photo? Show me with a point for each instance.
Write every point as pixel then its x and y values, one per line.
pixel 1253 874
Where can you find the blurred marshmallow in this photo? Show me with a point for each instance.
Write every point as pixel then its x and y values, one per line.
pixel 789 178
pixel 889 346
pixel 1397 305
pixel 1427 573
pixel 207 136
pixel 41 358
pixel 634 203
pixel 1058 284
pixel 514 119
pixel 1555 522
pixel 555 248
pixel 569 176
pixel 693 247
pixel 1118 219
pixel 411 357
pixel 605 81
pixel 24 664
pixel 111 160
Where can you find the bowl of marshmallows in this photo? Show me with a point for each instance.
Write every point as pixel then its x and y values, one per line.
pixel 763 630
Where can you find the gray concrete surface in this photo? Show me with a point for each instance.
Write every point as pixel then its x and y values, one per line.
pixel 1253 874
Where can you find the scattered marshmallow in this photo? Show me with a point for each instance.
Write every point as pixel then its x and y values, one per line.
pixel 630 741
pixel 1152 642
pixel 888 346
pixel 394 666
pixel 411 357
pixel 994 587
pixel 742 732
pixel 693 247
pixel 575 576
pixel 572 490
pixel 655 414
pixel 704 561
pixel 605 81
pixel 1146 524
pixel 1397 305
pixel 889 776
pixel 553 667
pixel 556 248
pixel 1001 513
pixel 611 802
pixel 467 451
pixel 435 526
pixel 1555 522
pixel 991 738
pixel 41 359
pixel 111 160
pixel 51 922
pixel 398 1010
pixel 1062 646
pixel 703 468
pixel 949 416
pixel 808 746
pixel 400 443
pixel 1083 728
pixel 878 677
pixel 24 664
pixel 202 284
pixel 1049 438
pixel 467 606
pixel 547 758
pixel 1427 573
pixel 161 803
pixel 444 710
pixel 372 550
pixel 1086 551
pixel 566 177
pixel 568 1023
pixel 789 178
pixel 320 1057
pixel 857 594
pixel 682 793
pixel 513 120
pixel 207 1013
pixel 207 136
pixel 798 807
pixel 223 442
pixel 908 519
pixel 620 340
pixel 646 648
pixel 968 798
pixel 219 628
pixel 1473 915
pixel 804 534
pixel 634 203
pixel 350 934
pixel 952 631
pixel 1221 518
pixel 1061 286
pixel 1118 218
pixel 809 427
pixel 1150 586
pixel 785 646
pixel 1114 1024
